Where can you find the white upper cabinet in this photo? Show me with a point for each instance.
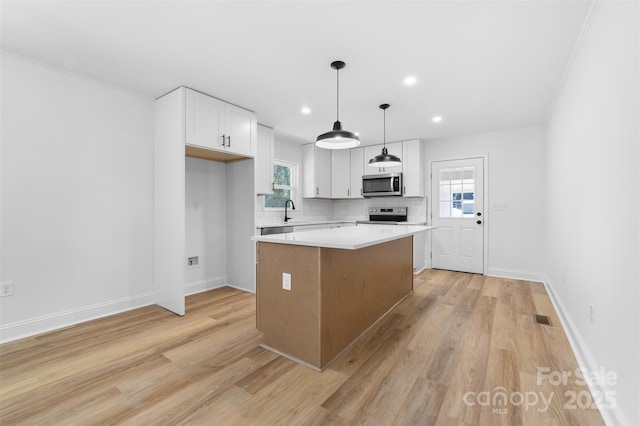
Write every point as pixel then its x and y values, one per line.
pixel 371 151
pixel 413 168
pixel 340 173
pixel 264 161
pixel 214 124
pixel 239 130
pixel 203 120
pixel 316 170
pixel 357 166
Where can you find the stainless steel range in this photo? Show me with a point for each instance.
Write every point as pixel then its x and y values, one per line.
pixel 386 215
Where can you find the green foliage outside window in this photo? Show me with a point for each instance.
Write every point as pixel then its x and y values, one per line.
pixel 278 198
pixel 282 175
pixel 282 183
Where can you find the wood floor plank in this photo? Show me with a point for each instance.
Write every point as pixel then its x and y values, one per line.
pixel 470 369
pixel 456 335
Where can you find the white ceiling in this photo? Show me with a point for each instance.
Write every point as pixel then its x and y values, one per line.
pixel 482 65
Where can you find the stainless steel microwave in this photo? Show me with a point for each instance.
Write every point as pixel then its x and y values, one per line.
pixel 388 184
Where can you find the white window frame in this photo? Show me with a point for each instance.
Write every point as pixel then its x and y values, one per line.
pixel 293 187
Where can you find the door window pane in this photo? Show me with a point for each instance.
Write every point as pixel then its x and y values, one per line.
pixel 445 192
pixel 445 208
pixel 457 192
pixel 456 175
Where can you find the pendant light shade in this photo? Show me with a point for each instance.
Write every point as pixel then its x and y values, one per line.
pixel 337 138
pixel 384 159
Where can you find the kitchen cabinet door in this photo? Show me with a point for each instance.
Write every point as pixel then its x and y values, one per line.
pixel 237 129
pixel 371 151
pixel 264 161
pixel 213 124
pixel 413 168
pixel 204 120
pixel 356 172
pixel 316 172
pixel 340 173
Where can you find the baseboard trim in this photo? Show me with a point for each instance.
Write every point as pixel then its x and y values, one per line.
pixel 204 285
pixel 34 326
pixel 416 272
pixel 584 356
pixel 246 290
pixel 31 327
pixel 515 274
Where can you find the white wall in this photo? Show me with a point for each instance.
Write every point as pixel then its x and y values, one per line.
pixel 77 198
pixel 593 200
pixel 240 204
pixel 206 223
pixel 516 175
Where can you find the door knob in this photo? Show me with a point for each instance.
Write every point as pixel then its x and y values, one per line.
pixel 479 222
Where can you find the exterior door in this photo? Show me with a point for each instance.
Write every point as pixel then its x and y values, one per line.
pixel 457 208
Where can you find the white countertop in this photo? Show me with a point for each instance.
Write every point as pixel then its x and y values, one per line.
pixel 303 223
pixel 321 222
pixel 349 238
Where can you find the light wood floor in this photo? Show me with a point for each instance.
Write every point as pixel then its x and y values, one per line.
pixel 457 336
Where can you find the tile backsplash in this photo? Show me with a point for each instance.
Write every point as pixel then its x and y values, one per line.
pixel 359 209
pixel 309 209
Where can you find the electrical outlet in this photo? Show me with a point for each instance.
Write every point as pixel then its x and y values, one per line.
pixel 193 262
pixel 286 281
pixel 6 289
pixel 500 207
pixel 592 313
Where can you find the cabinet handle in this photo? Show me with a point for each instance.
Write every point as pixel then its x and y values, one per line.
pixel 229 140
pixel 317 191
pixel 223 140
pixel 348 192
pixel 273 185
pixel 404 190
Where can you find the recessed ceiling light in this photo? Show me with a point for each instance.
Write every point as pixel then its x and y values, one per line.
pixel 410 80
pixel 305 110
pixel 436 119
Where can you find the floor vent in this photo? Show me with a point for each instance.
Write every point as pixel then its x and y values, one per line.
pixel 543 319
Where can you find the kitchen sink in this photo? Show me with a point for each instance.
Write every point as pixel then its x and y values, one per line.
pixel 276 230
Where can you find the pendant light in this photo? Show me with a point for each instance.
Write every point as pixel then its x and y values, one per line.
pixel 384 159
pixel 337 138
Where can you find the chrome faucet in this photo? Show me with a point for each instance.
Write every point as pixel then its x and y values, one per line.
pixel 293 207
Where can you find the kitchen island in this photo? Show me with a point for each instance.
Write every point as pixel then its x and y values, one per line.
pixel 318 291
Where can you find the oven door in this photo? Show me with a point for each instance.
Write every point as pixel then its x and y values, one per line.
pixel 389 184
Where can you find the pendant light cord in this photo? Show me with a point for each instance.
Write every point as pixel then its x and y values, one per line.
pixel 337 94
pixel 384 128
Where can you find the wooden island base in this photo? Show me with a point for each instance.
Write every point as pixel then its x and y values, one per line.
pixel 336 294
